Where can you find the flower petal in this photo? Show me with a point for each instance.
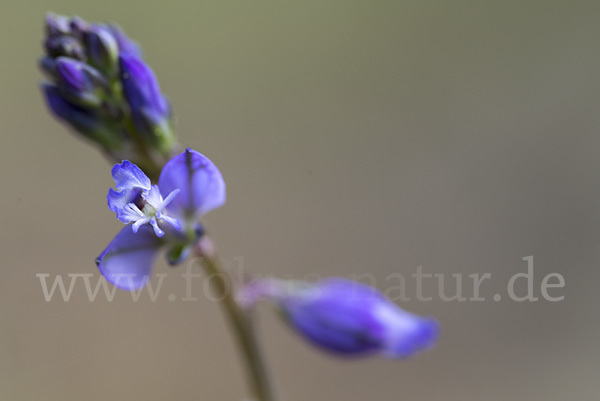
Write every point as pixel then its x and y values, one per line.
pixel 200 181
pixel 153 197
pixel 127 261
pixel 176 224
pixel 118 200
pixel 129 176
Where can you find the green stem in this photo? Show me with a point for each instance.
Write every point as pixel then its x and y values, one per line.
pixel 149 164
pixel 241 326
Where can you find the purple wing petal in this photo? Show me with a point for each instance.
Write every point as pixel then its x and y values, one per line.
pixel 118 200
pixel 199 180
pixel 129 176
pixel 127 261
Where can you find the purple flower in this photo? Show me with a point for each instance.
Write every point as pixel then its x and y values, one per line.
pixel 346 317
pixel 137 201
pixel 190 185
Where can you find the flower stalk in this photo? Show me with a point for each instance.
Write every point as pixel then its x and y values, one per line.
pixel 239 321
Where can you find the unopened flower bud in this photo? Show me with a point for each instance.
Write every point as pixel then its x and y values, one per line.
pixel 85 121
pixel 103 49
pixel 78 26
pixel 150 109
pixel 126 45
pixel 81 83
pixel 57 24
pixel 48 64
pixel 104 85
pixel 66 46
pixel 346 317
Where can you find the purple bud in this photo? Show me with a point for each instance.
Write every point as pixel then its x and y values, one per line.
pixel 48 64
pixel 85 121
pixel 151 111
pixel 57 24
pixel 72 74
pixel 141 87
pixel 78 26
pixel 126 45
pixel 347 317
pixel 80 82
pixel 66 46
pixel 102 49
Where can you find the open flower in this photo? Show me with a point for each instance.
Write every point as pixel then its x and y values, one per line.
pixel 346 317
pixel 137 201
pixel 157 216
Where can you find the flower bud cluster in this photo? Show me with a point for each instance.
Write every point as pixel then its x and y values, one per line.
pixel 101 87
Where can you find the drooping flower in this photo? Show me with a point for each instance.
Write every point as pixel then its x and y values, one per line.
pixel 346 317
pixel 190 185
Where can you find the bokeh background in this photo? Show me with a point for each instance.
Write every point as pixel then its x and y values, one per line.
pixel 354 137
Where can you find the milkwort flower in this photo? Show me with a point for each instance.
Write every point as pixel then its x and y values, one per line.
pixel 345 317
pixel 158 216
pixel 137 201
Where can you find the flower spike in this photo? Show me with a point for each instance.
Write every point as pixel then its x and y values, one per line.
pixel 100 70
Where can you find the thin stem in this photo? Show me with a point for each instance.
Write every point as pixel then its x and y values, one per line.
pixel 241 326
pixel 151 168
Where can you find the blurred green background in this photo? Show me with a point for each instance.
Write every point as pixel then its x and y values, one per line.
pixel 354 137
